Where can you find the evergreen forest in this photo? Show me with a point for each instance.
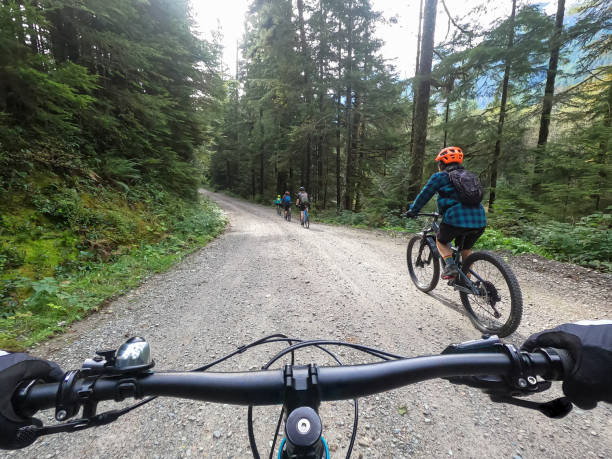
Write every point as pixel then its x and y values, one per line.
pixel 313 103
pixel 113 113
pixel 107 111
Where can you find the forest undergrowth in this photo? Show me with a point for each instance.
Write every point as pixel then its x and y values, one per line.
pixel 587 242
pixel 66 249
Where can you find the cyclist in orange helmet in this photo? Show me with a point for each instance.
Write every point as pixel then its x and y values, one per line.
pixel 459 217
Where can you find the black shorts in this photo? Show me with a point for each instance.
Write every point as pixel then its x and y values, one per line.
pixel 287 205
pixel 303 206
pixel 447 233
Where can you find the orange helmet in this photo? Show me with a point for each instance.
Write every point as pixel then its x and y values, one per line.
pixel 450 155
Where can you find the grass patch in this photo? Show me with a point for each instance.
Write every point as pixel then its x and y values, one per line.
pixel 54 276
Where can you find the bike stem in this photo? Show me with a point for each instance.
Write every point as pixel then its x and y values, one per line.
pixel 303 426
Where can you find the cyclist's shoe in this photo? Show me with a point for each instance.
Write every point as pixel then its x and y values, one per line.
pixel 450 271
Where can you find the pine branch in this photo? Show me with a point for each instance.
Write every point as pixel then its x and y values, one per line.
pixel 467 32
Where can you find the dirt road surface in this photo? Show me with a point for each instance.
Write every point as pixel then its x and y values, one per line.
pixel 263 276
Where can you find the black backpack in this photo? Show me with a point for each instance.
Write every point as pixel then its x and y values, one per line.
pixel 467 185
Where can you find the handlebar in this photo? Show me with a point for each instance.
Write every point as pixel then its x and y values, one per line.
pixel 272 386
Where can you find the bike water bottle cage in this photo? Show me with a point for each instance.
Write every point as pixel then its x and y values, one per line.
pixel 522 380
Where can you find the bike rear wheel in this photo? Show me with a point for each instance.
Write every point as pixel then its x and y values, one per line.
pixel 498 308
pixel 289 214
pixel 423 265
pixel 306 220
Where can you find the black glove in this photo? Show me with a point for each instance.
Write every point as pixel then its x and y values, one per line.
pixel 411 214
pixel 15 368
pixel 590 344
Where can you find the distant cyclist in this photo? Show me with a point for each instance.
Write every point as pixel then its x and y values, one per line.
pixel 277 203
pixel 302 202
pixel 286 202
pixel 460 217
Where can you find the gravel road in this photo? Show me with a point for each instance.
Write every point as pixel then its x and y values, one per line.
pixel 263 276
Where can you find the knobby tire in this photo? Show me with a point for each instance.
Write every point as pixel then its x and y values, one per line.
pixel 474 305
pixel 412 252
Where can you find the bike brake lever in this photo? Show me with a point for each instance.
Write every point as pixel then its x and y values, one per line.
pixel 555 409
pixel 32 432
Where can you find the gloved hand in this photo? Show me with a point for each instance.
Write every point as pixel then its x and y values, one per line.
pixel 411 214
pixel 590 344
pixel 15 368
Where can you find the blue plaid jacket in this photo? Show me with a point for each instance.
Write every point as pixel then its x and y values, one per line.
pixel 453 212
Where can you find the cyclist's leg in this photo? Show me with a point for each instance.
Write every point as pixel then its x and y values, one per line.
pixel 468 243
pixel 445 235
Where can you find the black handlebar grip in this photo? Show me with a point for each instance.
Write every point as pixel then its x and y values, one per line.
pixel 555 364
pixel 567 361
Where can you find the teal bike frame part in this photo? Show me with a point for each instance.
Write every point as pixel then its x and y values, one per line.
pixel 280 448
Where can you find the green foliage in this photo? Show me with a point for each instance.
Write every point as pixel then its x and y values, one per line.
pixel 32 308
pixel 121 92
pixel 494 239
pixel 588 242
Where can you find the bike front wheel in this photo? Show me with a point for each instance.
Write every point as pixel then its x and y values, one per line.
pixel 497 309
pixel 423 265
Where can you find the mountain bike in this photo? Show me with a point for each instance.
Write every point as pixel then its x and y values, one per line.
pixel 487 286
pixel 500 370
pixel 279 210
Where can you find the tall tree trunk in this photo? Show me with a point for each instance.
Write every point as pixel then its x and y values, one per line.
pixel 321 137
pixel 261 154
pixel 446 114
pixel 325 181
pixel 252 180
pixel 338 122
pixel 348 199
pixel 416 73
pixel 547 102
pixel 307 93
pixel 320 155
pixel 338 176
pixel 422 99
pixel 502 113
pixel 353 153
